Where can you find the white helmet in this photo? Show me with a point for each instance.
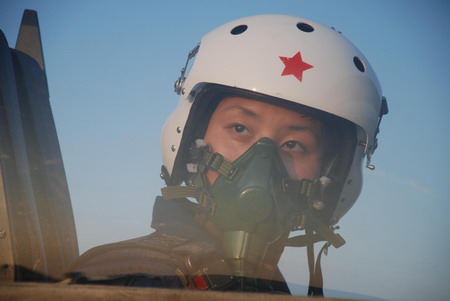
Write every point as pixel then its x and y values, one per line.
pixel 292 59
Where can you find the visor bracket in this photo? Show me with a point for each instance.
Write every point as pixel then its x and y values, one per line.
pixel 178 86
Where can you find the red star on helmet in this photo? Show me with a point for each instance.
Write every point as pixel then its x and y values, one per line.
pixel 294 66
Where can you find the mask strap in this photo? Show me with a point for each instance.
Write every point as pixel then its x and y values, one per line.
pixel 315 288
pixel 198 190
pixel 201 194
pixel 203 159
pixel 216 162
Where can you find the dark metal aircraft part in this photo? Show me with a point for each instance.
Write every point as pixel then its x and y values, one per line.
pixel 37 229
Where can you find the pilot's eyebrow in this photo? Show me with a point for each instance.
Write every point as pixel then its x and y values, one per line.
pixel 302 128
pixel 244 110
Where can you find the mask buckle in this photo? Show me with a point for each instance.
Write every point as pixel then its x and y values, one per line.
pixel 214 161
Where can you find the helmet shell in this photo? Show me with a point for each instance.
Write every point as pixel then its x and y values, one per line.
pixel 250 54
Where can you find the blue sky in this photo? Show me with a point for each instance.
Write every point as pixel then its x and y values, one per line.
pixel 111 66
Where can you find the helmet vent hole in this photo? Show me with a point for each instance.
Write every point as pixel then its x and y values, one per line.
pixel 359 64
pixel 349 181
pixel 239 29
pixel 342 200
pixel 305 27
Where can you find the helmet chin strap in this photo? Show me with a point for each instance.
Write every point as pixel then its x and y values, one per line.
pixel 235 262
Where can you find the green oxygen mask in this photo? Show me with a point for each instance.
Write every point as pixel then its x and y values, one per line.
pixel 252 204
pixel 252 207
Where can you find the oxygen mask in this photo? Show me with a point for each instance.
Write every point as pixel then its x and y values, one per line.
pixel 249 203
pixel 250 208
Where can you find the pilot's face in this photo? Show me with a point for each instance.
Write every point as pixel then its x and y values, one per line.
pixel 238 123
